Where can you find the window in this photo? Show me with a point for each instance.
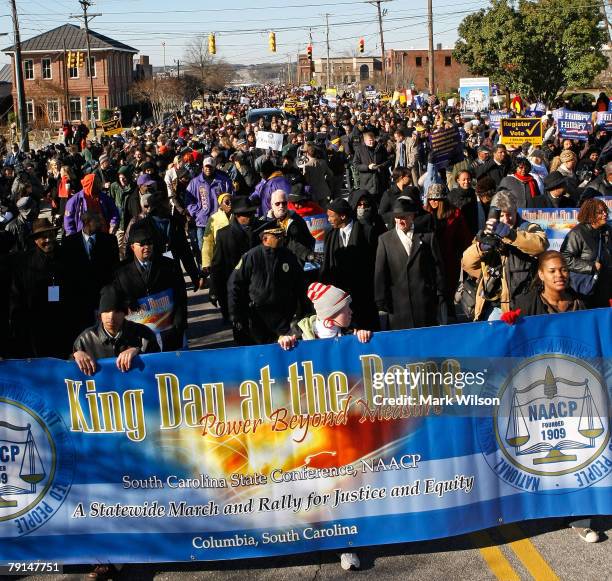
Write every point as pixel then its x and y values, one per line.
pixel 28 70
pixel 419 61
pixel 53 110
pixel 76 114
pixel 73 72
pixel 92 66
pixel 447 61
pixel 30 109
pixel 96 110
pixel 46 68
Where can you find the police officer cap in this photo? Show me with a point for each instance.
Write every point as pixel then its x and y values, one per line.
pixel 554 180
pixel 268 227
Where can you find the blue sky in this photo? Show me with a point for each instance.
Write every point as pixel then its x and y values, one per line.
pixel 242 26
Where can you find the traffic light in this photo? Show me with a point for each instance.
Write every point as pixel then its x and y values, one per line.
pixel 361 45
pixel 212 46
pixel 69 60
pixel 80 60
pixel 309 52
pixel 272 42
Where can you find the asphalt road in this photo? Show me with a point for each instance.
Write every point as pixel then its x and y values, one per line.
pixel 544 549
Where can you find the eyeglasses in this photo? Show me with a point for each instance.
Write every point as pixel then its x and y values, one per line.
pixel 145 243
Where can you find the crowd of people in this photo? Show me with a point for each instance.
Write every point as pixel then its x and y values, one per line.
pixel 95 235
pixel 132 214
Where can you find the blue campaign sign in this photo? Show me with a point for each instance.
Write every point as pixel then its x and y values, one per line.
pixel 573 124
pixel 535 110
pixel 604 120
pixel 250 452
pixel 494 119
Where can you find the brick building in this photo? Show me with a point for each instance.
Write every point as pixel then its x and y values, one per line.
pixel 342 70
pixel 411 66
pixel 55 93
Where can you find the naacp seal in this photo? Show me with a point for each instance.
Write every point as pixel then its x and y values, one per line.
pixel 36 462
pixel 552 427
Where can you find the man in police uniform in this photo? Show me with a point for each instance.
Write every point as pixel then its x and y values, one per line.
pixel 266 289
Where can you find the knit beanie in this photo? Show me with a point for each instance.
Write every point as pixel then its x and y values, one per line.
pixel 103 158
pixel 436 192
pixel 327 300
pixel 567 155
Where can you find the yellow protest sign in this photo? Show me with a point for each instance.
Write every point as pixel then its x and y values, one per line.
pixel 518 130
pixel 112 127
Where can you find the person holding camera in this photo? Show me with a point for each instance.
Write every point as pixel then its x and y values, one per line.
pixel 502 258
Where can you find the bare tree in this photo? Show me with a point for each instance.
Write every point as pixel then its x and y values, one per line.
pixel 164 95
pixel 213 72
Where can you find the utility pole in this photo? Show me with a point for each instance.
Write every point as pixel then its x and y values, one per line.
pixel 85 4
pixel 164 47
pixel 327 40
pixel 65 75
pixel 382 37
pixel 21 102
pixel 178 69
pixel 430 69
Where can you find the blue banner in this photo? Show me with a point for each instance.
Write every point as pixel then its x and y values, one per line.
pixel 573 124
pixel 535 110
pixel 604 120
pixel 494 119
pixel 251 452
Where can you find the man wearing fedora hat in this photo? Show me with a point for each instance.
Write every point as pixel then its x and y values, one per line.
pixel 555 193
pixel 40 317
pixel 408 281
pixel 266 289
pixel 232 242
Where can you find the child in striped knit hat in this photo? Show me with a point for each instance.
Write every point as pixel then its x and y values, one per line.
pixel 333 317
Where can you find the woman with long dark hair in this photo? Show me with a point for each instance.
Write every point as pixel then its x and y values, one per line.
pixel 452 234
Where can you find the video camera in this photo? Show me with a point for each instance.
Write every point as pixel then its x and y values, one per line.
pixel 490 239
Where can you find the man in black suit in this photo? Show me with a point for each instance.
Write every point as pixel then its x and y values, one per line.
pixel 408 281
pixel 372 162
pixel 496 168
pixel 348 262
pixel 154 288
pixel 92 257
pixel 231 243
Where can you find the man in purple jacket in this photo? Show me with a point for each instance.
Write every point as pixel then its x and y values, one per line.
pixel 93 200
pixel 202 193
pixel 271 181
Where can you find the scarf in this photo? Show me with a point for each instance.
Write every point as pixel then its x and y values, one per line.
pixel 528 179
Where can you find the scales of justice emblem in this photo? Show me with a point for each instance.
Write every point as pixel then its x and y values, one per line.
pixel 553 419
pixel 21 467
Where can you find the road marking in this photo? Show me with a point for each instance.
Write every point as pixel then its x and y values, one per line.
pixel 526 551
pixel 493 557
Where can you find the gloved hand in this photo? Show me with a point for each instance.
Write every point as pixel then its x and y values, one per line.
pixel 504 231
pixel 213 300
pixel 315 258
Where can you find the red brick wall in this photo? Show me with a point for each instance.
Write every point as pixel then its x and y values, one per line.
pixel 446 77
pixel 113 76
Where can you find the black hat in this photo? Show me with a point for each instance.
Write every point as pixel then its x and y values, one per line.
pixel 404 205
pixel 268 227
pixel 183 172
pixel 111 300
pixel 341 207
pixel 141 231
pixel 242 205
pixel 298 194
pixel 554 180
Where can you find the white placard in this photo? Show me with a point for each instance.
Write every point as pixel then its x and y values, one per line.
pixel 268 140
pixel 245 101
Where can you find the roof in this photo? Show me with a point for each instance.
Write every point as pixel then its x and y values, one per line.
pixel 70 37
pixel 6 74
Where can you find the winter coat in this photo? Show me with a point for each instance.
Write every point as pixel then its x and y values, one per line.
pixel 202 194
pixel 409 287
